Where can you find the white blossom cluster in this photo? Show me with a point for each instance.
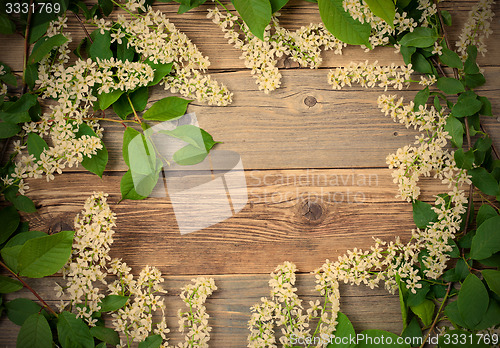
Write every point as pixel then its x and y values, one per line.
pixel 135 319
pixel 476 29
pixel 87 266
pixel 381 30
pixel 371 75
pixel 154 37
pixel 3 86
pixel 302 46
pixel 88 274
pixel 284 309
pixel 195 319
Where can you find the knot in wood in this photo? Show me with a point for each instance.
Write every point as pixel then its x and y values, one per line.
pixel 310 101
pixel 312 211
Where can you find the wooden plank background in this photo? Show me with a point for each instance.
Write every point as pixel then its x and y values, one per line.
pixel 337 135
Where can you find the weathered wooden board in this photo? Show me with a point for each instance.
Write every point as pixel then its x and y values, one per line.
pixel 295 215
pixel 229 306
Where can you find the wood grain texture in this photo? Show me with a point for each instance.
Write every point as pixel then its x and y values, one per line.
pixel 301 216
pixel 229 310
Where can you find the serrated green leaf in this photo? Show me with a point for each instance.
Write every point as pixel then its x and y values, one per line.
pixel 73 332
pixel 10 220
pixel 455 129
pixel 424 311
pixel 105 334
pixel 106 99
pixel 25 204
pixel 450 85
pixel 484 181
pixel 36 145
pixel 466 106
pixel 43 256
pixel 8 130
pixel 492 279
pixel 35 333
pixel 384 9
pixel 185 7
pixel 100 48
pixel 97 163
pixel 419 297
pixel 486 109
pixel 342 25
pixel 153 341
pixel 407 53
pixel 8 285
pixel 167 109
pixel 106 7
pixel 423 214
pixel 277 5
pixel 127 188
pixel 112 303
pixel 420 63
pixel 256 14
pixel 474 80
pixel 472 301
pixel 19 309
pixel 343 329
pixel 485 212
pixel 464 159
pixel 40 51
pixel 419 37
pixel 31 75
pixel 451 58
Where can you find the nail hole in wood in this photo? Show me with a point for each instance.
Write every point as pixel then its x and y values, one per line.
pixel 310 101
pixel 396 134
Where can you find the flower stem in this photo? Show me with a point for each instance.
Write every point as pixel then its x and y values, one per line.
pixel 29 288
pixel 437 316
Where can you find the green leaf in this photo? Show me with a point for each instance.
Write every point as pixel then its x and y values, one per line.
pixel 421 98
pixel 100 48
pixel 450 85
pixel 8 285
pixel 31 75
pixel 407 53
pixel 470 66
pixel 123 52
pixel 423 214
pixel 446 17
pixel 112 303
pixel 384 9
pixel 492 279
pixel 419 37
pixel 97 163
pixel 153 341
pixel 451 58
pixel 105 334
pixel 20 309
pixel 460 339
pixel 8 130
pixel 106 99
pixel 167 109
pixel 35 333
pixel 129 134
pixel 455 129
pixel 467 105
pixel 25 204
pixel 189 155
pixel 17 112
pixel 424 311
pixel 485 212
pixel 106 7
pixel 127 188
pixel 36 145
pixel 464 159
pixel 139 99
pixel 276 5
pixel 484 181
pixel 343 329
pixel 192 135
pixel 38 27
pixel 419 297
pixel 40 51
pixel 491 318
pixel 256 14
pixel 472 301
pixel 183 8
pixel 73 332
pixel 43 256
pixel 486 109
pixel 161 70
pixel 403 299
pixel 420 63
pixel 486 242
pixel 462 269
pixel 6 25
pixel 10 252
pixel 474 80
pixel 373 336
pixel 10 220
pixel 413 330
pixel 342 25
